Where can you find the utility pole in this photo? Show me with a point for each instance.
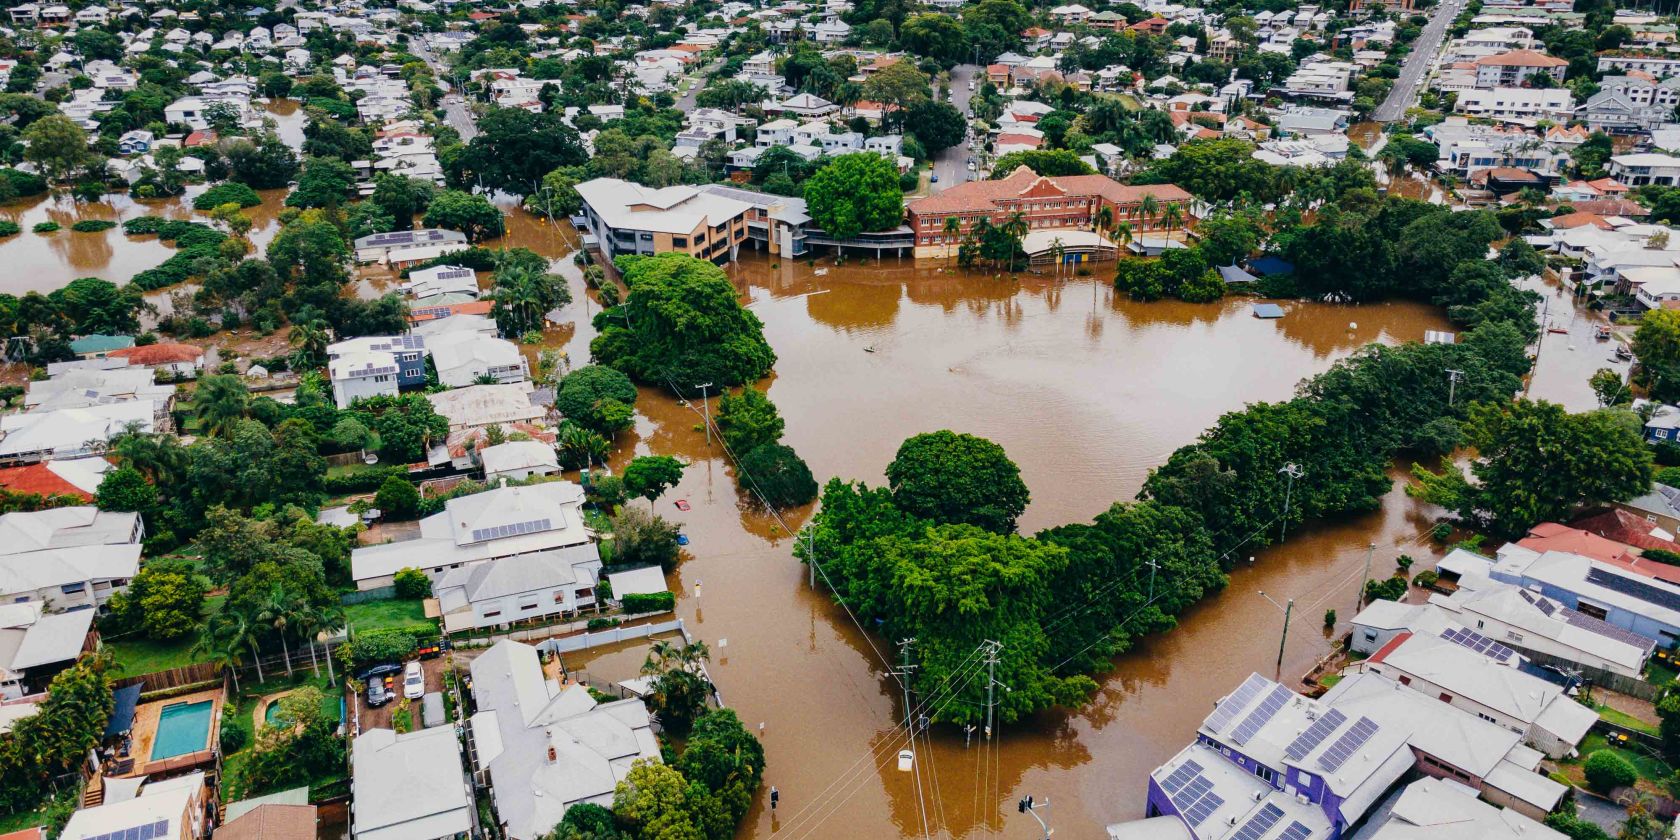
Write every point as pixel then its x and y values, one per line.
pixel 1359 601
pixel 1292 471
pixel 706 404
pixel 1152 567
pixel 910 723
pixel 1287 610
pixel 1027 806
pixel 1452 385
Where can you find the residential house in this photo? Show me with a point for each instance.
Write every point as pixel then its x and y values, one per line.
pixel 1469 671
pixel 411 786
pixel 270 821
pixel 1617 592
pixel 407 351
pixel 627 218
pixel 68 558
pixel 442 280
pixel 1437 809
pixel 1645 168
pixel 523 587
pixel 1525 106
pixel 176 359
pixel 403 246
pixel 518 460
pixel 48 434
pixel 359 376
pixel 35 645
pixel 173 808
pixel 465 358
pixel 481 406
pixel 76 477
pixel 543 746
pixel 478 529
pixel 1656 64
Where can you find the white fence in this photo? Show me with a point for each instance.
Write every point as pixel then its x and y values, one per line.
pixel 609 636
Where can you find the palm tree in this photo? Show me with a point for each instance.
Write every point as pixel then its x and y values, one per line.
pixel 953 227
pixel 1172 217
pixel 279 610
pixel 1121 234
pixel 1058 252
pixel 233 631
pixel 220 401
pixel 312 621
pixel 1147 209
pixel 311 341
pixel 1103 219
pixel 221 644
pixel 582 446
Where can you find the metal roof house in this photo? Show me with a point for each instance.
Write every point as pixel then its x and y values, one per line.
pixel 543 747
pixel 408 787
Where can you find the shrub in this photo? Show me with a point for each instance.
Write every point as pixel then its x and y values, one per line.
pixel 649 602
pixel 26 183
pixel 641 538
pixel 227 193
pixel 92 225
pixel 384 645
pixel 9 228
pixel 1606 771
pixel 1663 556
pixel 600 624
pixel 360 481
pixel 397 498
pixel 45 227
pixel 1392 589
pixel 235 734
pixel 412 584
pixel 1426 578
pixel 1329 618
pixel 141 225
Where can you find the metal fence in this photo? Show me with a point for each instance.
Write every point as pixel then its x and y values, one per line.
pixel 611 635
pixel 1619 683
pixel 367 596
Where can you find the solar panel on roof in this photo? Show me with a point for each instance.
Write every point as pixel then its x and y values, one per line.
pixel 1309 740
pixel 1262 714
pixel 1606 629
pixel 1238 700
pixel 1483 645
pixel 1204 808
pixel 1643 591
pixel 1196 800
pixel 1260 823
pixel 1345 746
pixel 1295 831
pixel 1180 777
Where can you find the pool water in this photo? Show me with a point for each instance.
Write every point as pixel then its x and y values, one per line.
pixel 182 728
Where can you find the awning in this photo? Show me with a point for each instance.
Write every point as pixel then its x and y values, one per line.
pixel 122 716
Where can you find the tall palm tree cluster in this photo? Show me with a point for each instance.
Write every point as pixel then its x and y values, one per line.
pixel 995 247
pixel 277 618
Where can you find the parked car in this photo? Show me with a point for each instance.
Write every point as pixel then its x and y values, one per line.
pixel 382 669
pixel 414 681
pixel 376 694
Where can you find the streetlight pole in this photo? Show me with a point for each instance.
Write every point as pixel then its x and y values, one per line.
pixel 1452 385
pixel 1359 600
pixel 1028 806
pixel 1287 610
pixel 706 404
pixel 1292 471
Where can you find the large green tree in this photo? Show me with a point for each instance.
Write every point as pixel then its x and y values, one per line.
pixel 59 147
pixel 1536 462
pixel 469 213
pixel 681 327
pixel 748 420
pixel 950 477
pixel 514 149
pixel 855 193
pixel 600 398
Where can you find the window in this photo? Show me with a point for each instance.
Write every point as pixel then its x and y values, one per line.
pixel 530 606
pixel 1513 635
pixel 492 613
pixel 679 242
pixel 1405 680
pixel 1266 773
pixel 1445 697
pixel 1370 635
pixel 73 588
pixel 1592 610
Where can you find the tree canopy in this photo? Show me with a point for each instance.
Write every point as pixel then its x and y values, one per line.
pixel 682 326
pixel 945 476
pixel 855 193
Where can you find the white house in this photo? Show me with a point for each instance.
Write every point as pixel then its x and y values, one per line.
pixel 544 748
pixel 68 557
pixel 411 786
pixel 1525 106
pixel 462 358
pixel 358 376
pixel 518 459
pixel 172 808
pixel 479 406
pixel 519 588
pixel 483 527
pixel 1645 168
pixel 30 638
pixel 46 434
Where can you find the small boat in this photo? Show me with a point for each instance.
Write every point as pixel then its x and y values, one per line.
pixel 1601 332
pixel 1562 330
pixel 1622 353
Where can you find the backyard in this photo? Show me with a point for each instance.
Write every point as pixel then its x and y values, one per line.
pixel 139 656
pixel 407 613
pixel 1653 771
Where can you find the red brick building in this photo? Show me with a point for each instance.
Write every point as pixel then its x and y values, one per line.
pixel 1068 202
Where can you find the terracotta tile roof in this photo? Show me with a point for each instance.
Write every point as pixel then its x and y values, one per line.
pixel 1521 58
pixel 1553 536
pixel 271 822
pixel 1019 140
pixel 430 313
pixel 1606 186
pixel 974 196
pixel 1612 207
pixel 1625 527
pixel 159 354
pixel 1570 221
pixel 41 480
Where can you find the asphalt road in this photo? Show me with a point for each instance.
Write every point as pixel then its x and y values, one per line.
pixel 1424 50
pixel 454 103
pixel 951 165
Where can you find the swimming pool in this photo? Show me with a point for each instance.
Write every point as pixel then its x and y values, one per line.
pixel 182 728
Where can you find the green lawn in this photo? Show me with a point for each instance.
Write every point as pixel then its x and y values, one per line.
pixel 1659 674
pixel 144 656
pixel 1651 769
pixel 1625 720
pixel 376 615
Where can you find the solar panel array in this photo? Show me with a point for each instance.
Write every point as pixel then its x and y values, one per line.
pixel 1643 591
pixel 1295 831
pixel 1262 714
pixel 1196 800
pixel 1309 740
pixel 1605 629
pixel 1483 645
pixel 1181 777
pixel 159 829
pixel 515 530
pixel 1540 602
pixel 1260 823
pixel 1238 700
pixel 1345 746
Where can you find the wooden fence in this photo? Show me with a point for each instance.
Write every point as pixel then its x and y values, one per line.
pixel 1600 678
pixel 165 680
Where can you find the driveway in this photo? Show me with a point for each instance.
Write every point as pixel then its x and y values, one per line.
pixel 1424 50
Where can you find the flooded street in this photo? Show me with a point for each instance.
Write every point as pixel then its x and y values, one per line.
pixel 1085 390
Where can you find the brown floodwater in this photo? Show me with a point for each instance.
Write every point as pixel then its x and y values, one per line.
pixel 1086 390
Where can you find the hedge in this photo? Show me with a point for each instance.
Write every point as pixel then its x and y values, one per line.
pixel 228 193
pixel 26 184
pixel 174 270
pixel 372 646
pixel 360 481
pixel 649 602
pixel 92 225
pixel 45 227
pixel 9 228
